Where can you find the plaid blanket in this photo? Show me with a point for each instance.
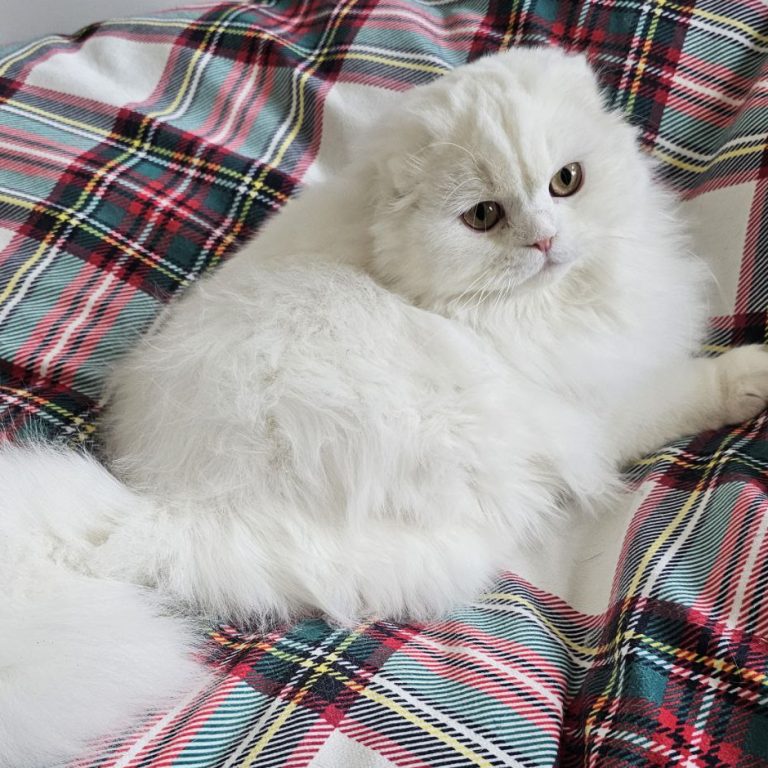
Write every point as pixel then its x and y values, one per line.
pixel 136 155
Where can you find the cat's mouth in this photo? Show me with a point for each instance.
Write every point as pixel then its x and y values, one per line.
pixel 537 268
pixel 528 271
pixel 550 271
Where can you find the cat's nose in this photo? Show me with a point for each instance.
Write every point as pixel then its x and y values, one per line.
pixel 544 244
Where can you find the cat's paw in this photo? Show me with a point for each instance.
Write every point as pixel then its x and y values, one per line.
pixel 744 381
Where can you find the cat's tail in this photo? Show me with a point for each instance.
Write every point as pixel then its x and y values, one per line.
pixel 80 655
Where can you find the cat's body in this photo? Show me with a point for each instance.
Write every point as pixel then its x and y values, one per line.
pixel 367 407
pixel 366 459
pixel 362 411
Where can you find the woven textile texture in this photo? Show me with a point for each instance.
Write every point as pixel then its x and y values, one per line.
pixel 136 155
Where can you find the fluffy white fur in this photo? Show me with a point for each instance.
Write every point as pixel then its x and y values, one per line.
pixel 79 655
pixel 359 413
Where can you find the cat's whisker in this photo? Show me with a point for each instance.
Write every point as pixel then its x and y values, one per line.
pixel 709 271
pixel 484 291
pixel 503 292
pixel 509 287
pixel 469 290
pixel 456 302
pixel 453 191
pixel 451 144
pixel 471 300
pixel 415 160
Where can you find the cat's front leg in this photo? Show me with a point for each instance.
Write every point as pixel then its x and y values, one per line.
pixel 744 379
pixel 689 397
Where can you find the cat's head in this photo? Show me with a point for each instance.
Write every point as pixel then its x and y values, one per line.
pixel 504 177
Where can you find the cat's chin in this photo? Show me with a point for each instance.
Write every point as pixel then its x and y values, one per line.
pixel 553 270
pixel 546 274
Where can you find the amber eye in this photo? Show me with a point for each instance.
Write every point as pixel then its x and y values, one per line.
pixel 483 216
pixel 567 181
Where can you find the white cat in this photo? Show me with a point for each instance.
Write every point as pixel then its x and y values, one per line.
pixel 415 365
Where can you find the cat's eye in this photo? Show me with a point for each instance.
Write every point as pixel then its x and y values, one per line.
pixel 483 216
pixel 567 181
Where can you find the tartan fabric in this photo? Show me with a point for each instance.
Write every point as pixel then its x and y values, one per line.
pixel 121 184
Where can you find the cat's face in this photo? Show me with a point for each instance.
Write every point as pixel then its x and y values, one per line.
pixel 503 177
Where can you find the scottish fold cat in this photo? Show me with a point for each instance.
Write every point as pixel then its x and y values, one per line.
pixel 420 361
pixel 416 364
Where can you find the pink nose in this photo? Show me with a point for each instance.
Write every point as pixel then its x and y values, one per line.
pixel 543 245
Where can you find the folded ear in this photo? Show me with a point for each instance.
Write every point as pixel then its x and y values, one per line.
pixel 399 143
pixel 396 158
